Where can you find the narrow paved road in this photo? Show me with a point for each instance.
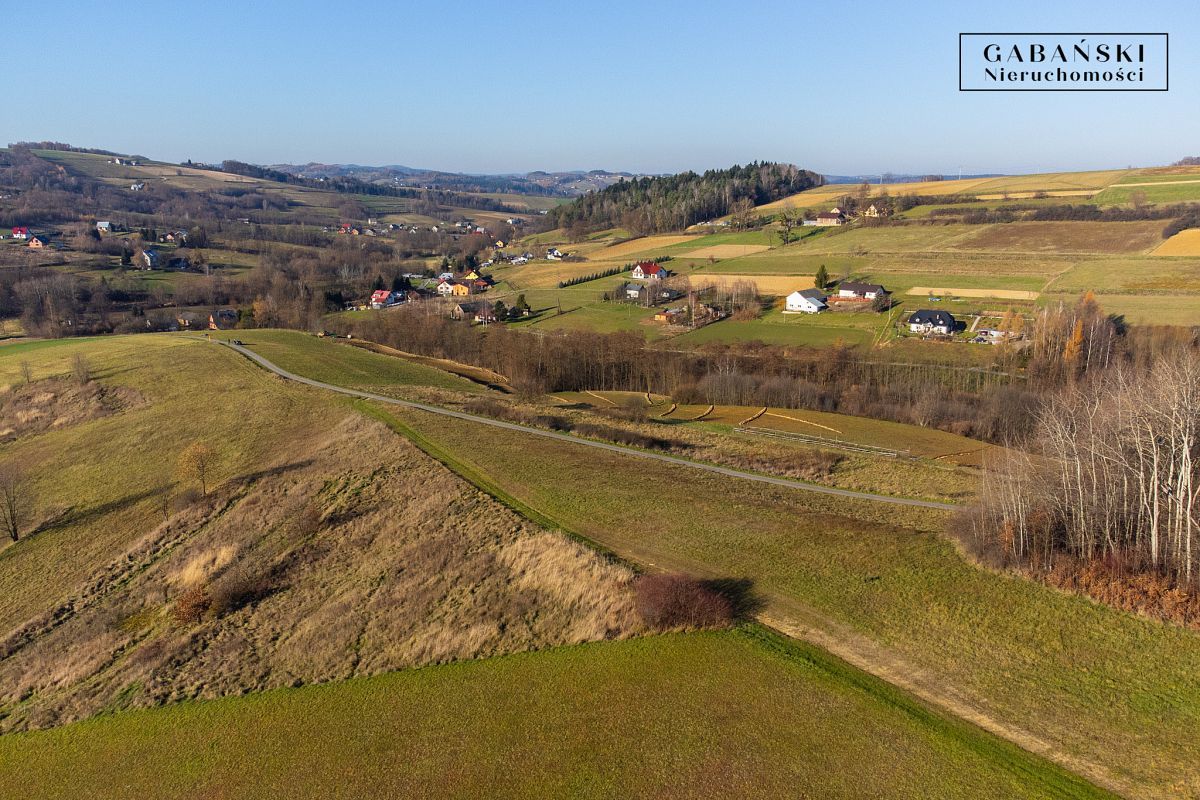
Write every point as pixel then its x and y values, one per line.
pixel 616 448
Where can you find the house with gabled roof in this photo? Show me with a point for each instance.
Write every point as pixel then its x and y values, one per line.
pixel 805 301
pixel 854 290
pixel 928 321
pixel 648 271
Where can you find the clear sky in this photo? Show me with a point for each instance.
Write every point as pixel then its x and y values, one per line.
pixel 839 87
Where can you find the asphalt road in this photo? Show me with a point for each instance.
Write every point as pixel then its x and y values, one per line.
pixel 616 448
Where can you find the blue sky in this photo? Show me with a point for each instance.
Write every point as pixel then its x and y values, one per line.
pixel 843 88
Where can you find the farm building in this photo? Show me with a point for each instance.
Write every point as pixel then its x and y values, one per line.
pixel 648 271
pixel 671 316
pixel 831 218
pixel 464 311
pixel 875 211
pixel 852 290
pixel 805 301
pixel 927 321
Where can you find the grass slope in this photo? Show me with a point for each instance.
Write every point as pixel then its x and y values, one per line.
pixel 740 713
pixel 1112 693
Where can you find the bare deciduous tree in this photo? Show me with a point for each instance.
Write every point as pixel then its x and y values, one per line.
pixel 16 500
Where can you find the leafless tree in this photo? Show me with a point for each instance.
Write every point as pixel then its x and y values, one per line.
pixel 16 500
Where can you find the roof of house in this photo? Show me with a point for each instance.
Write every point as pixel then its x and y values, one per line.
pixel 467 307
pixel 861 288
pixel 812 294
pixel 20 229
pixel 650 268
pixel 380 295
pixel 828 215
pixel 932 317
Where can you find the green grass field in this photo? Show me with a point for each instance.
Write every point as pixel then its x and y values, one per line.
pixel 1112 692
pixel 775 327
pixel 327 360
pixel 741 713
pixel 1164 192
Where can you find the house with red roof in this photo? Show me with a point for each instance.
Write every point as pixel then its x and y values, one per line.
pixel 649 271
pixel 20 232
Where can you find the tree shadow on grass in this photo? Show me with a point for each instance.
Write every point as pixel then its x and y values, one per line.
pixel 746 603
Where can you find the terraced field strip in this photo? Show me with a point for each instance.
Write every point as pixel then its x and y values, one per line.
pixel 1003 294
pixel 821 441
pixel 726 251
pixel 798 419
pixel 1184 243
pixel 767 284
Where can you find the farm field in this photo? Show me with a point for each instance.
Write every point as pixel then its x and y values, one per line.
pixel 878 585
pixel 1184 243
pixel 633 247
pixel 1066 237
pixel 1142 309
pixel 1003 294
pixel 1153 192
pixel 1062 183
pixel 675 715
pixel 1131 275
pixel 725 251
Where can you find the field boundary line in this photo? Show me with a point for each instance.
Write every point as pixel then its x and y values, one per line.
pixel 805 421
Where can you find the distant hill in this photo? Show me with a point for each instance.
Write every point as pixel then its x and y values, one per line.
pixel 554 184
pixel 907 178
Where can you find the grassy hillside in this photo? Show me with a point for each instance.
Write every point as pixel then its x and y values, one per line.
pixel 325 546
pixel 877 584
pixel 720 714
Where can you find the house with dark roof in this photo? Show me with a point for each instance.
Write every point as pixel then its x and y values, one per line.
pixel 926 321
pixel 831 218
pixel 805 301
pixel 465 311
pixel 38 242
pixel 853 290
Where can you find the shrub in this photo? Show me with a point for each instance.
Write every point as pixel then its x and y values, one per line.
pixel 679 602
pixel 236 588
pixel 192 605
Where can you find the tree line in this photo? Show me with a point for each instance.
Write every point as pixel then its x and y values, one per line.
pixel 673 202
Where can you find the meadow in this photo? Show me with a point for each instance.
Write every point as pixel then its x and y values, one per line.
pixel 733 713
pixel 1107 692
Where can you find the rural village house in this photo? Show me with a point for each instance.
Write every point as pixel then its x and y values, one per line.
pixel 926 321
pixel 382 298
pixel 852 290
pixel 463 311
pixel 38 242
pixel 648 271
pixel 831 218
pixel 805 301
pixel 20 232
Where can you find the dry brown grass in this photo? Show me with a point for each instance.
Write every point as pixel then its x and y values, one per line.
pixel 358 555
pixel 1184 243
pixel 31 408
pixel 726 251
pixel 617 252
pixel 1066 237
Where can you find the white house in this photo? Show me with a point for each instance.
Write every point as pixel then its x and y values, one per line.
pixel 554 254
pixel 445 288
pixel 926 321
pixel 648 271
pixel 104 226
pixel 852 290
pixel 806 301
pixel 136 187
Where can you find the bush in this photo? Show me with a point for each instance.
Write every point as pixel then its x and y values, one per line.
pixel 237 588
pixel 192 605
pixel 680 602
